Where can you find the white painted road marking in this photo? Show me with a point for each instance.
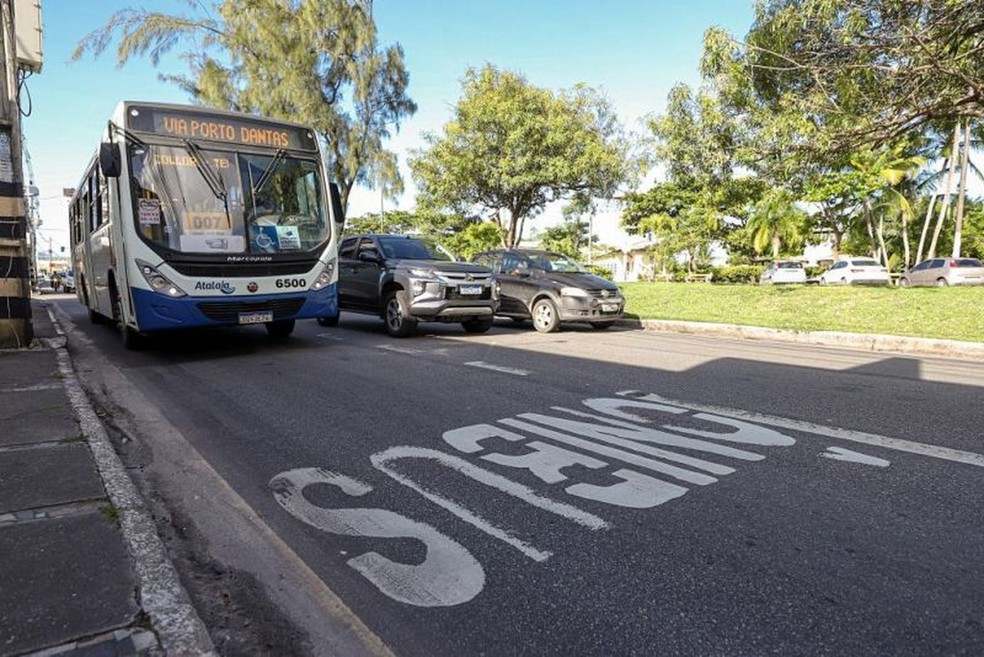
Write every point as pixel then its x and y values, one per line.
pixel 382 461
pixel 841 454
pixel 399 350
pixel 497 368
pixel 615 441
pixel 449 574
pixel 922 449
pixel 35 388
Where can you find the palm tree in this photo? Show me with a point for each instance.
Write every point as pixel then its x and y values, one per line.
pixel 775 221
pixel 885 172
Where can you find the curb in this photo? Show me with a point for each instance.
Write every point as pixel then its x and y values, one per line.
pixel 161 595
pixel 864 341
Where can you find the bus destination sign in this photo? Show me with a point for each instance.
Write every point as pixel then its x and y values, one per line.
pixel 216 127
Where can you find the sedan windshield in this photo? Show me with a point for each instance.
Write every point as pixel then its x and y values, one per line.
pixel 201 201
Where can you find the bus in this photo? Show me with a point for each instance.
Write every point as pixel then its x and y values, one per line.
pixel 189 217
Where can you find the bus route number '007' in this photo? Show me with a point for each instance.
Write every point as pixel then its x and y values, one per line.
pixel 290 282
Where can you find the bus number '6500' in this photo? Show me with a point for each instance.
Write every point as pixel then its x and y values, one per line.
pixel 291 282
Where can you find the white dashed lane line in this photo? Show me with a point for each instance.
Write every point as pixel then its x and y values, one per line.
pixel 399 350
pixel 498 368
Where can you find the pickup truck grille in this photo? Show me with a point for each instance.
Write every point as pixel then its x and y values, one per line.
pixel 463 277
pixel 228 311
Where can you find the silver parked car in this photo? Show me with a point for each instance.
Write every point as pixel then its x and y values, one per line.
pixel 945 271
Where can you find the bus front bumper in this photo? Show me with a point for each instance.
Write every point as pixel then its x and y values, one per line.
pixel 156 312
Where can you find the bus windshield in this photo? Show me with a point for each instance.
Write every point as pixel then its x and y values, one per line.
pixel 192 200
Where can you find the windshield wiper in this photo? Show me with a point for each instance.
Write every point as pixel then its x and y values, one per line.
pixel 212 179
pixel 265 176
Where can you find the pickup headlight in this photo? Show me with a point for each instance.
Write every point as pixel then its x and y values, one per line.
pixel 573 292
pixel 326 276
pixel 158 282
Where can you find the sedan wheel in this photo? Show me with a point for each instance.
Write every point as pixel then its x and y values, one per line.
pixel 903 282
pixel 545 317
pixel 941 282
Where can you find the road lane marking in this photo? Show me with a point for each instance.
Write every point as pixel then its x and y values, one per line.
pixel 498 368
pixel 650 464
pixel 35 388
pixel 897 444
pixel 399 350
pixel 449 575
pixel 382 461
pixel 632 439
pixel 841 454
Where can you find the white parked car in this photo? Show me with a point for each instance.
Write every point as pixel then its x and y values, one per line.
pixel 848 271
pixel 784 271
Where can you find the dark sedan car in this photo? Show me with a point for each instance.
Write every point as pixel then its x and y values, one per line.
pixel 549 288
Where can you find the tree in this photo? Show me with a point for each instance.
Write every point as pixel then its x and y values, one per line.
pixel 315 62
pixel 776 221
pixel 569 237
pixel 890 67
pixel 462 236
pixel 512 148
pixel 678 220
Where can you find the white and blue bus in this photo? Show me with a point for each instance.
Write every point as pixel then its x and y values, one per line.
pixel 190 217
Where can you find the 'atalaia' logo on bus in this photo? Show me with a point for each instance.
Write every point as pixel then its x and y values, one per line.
pixel 222 286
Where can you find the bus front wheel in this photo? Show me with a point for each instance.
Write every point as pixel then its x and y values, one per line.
pixel 132 339
pixel 280 330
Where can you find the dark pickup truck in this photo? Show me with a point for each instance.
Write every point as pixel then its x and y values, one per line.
pixel 406 279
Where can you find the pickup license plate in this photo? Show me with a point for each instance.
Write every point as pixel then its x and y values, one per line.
pixel 470 290
pixel 609 307
pixel 256 318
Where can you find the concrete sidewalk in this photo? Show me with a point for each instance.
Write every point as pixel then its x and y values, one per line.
pixel 70 581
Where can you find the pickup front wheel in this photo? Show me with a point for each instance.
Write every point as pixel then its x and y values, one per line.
pixel 396 314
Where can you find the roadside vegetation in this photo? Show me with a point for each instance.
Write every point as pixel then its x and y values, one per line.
pixel 850 123
pixel 944 313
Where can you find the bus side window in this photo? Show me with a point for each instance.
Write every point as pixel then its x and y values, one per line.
pixel 103 199
pixel 93 197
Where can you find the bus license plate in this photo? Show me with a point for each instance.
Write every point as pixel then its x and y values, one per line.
pixel 256 318
pixel 609 307
pixel 470 290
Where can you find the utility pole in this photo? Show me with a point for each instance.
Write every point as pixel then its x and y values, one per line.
pixel 15 288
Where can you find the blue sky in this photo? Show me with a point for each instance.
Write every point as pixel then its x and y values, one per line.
pixel 632 50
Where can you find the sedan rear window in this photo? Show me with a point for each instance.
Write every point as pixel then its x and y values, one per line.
pixel 865 263
pixel 789 265
pixel 966 262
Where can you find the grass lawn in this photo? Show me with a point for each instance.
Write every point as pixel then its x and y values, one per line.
pixel 950 313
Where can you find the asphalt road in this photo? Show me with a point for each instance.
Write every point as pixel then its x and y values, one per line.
pixel 596 493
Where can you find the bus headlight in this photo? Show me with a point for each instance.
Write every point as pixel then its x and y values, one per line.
pixel 158 282
pixel 324 279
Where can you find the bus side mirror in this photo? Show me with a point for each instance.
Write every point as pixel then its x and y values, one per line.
pixel 109 160
pixel 337 213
